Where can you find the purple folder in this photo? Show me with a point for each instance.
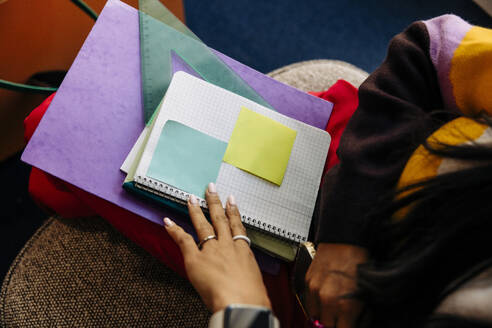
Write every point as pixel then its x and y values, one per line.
pixel 96 115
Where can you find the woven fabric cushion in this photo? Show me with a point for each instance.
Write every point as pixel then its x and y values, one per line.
pixel 82 272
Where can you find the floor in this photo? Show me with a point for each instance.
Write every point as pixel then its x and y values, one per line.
pixel 265 35
pixel 270 34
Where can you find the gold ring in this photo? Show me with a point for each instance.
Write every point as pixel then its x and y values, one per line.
pixel 204 240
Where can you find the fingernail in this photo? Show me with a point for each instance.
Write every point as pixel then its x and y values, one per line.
pixel 193 200
pixel 211 187
pixel 231 200
pixel 168 222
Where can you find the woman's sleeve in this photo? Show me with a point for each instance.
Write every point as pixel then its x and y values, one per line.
pixel 380 137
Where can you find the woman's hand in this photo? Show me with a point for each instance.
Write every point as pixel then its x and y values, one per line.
pixel 223 271
pixel 331 276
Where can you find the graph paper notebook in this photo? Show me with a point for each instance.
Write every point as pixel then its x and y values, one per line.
pixel 196 124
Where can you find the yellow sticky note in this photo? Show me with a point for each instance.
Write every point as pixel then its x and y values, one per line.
pixel 260 146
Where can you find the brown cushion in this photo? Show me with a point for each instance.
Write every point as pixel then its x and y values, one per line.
pixel 82 272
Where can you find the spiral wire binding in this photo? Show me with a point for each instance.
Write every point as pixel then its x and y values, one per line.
pixel 181 197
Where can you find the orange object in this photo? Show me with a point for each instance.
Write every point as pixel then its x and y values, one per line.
pixel 39 36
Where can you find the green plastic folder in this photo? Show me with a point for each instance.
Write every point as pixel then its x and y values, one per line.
pixel 161 32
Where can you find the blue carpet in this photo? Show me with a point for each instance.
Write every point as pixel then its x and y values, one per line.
pixel 269 34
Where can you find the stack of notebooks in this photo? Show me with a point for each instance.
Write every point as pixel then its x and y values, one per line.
pixel 147 106
pixel 202 133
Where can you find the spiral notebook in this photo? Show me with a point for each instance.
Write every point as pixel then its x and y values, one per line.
pixel 283 208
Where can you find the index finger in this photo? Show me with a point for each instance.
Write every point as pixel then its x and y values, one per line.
pixel 329 303
pixel 217 214
pixel 312 305
pixel 202 226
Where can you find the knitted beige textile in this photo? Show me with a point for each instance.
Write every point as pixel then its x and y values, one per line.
pixel 84 273
pixel 319 75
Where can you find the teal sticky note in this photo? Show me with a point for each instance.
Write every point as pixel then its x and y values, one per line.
pixel 186 158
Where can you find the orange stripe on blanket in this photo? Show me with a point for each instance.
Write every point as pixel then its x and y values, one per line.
pixel 423 165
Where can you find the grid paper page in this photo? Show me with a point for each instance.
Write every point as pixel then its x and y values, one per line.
pixel 285 210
